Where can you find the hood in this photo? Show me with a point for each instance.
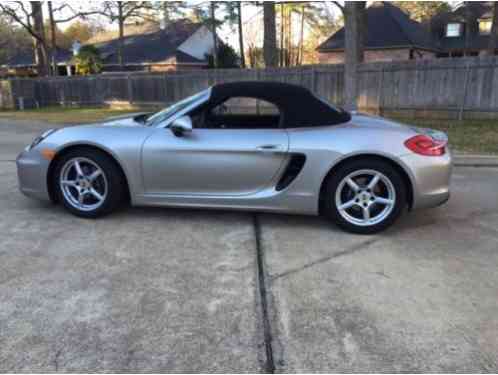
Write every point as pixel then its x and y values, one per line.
pixel 124 120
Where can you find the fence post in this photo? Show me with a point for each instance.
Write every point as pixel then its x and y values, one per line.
pixel 165 91
pixel 258 78
pixel 313 79
pixel 380 95
pixel 130 89
pixel 465 86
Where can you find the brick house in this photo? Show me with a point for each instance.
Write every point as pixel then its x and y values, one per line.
pixel 391 35
pixel 465 31
pixel 23 63
pixel 180 45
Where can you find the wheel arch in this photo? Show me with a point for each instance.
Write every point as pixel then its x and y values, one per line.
pixel 395 164
pixel 87 146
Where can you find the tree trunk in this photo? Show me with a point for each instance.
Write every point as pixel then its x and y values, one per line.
pixel 468 32
pixel 121 35
pixel 166 16
pixel 40 45
pixel 270 35
pixel 493 36
pixel 282 24
pixel 301 38
pixel 287 33
pixel 354 23
pixel 289 38
pixel 53 44
pixel 215 37
pixel 241 36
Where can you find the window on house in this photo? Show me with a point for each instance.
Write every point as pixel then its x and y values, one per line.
pixel 485 27
pixel 453 30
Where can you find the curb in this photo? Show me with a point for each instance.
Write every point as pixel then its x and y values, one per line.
pixel 463 160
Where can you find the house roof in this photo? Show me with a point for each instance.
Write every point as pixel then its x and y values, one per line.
pixel 387 27
pixel 154 47
pixel 26 58
pixel 473 11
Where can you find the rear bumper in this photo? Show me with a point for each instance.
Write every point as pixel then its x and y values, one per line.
pixel 32 171
pixel 430 179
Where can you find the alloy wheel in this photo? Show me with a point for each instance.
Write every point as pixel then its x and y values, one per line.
pixel 83 184
pixel 365 197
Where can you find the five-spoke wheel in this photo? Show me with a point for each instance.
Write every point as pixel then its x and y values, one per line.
pixel 83 184
pixel 365 196
pixel 89 182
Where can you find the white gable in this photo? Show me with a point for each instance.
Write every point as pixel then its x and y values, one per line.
pixel 198 44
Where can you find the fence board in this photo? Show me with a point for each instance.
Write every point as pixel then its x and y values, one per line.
pixel 429 85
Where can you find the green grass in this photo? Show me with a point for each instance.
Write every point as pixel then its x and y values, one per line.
pixel 466 136
pixel 65 115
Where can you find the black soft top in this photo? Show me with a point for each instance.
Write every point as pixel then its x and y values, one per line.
pixel 297 104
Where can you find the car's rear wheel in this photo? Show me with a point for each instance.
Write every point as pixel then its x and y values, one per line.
pixel 88 183
pixel 364 196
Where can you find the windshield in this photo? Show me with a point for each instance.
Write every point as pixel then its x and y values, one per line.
pixel 164 114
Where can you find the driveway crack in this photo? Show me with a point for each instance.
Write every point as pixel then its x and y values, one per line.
pixel 348 251
pixel 263 294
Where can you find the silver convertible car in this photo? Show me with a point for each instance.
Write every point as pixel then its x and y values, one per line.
pixel 262 146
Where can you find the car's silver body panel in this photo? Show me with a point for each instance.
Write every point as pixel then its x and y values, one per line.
pixel 239 169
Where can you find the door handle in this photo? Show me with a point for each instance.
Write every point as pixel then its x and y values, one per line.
pixel 269 148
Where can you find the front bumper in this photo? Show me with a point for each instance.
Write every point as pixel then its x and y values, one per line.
pixel 430 178
pixel 32 169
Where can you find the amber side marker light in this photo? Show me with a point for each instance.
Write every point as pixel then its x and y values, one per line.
pixel 48 153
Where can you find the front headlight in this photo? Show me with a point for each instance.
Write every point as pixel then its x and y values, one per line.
pixel 40 138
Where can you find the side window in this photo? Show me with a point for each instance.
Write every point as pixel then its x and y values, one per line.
pixel 243 113
pixel 246 106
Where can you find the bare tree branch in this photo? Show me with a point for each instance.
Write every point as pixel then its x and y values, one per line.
pixel 25 23
pixel 339 5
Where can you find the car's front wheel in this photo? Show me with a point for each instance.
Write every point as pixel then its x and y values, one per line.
pixel 88 183
pixel 365 196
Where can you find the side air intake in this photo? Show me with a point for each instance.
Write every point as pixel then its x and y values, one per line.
pixel 293 169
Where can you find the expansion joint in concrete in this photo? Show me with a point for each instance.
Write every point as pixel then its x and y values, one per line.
pixel 263 294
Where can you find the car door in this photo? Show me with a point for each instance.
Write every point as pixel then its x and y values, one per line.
pixel 213 161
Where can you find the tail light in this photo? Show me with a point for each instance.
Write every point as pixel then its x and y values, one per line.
pixel 425 145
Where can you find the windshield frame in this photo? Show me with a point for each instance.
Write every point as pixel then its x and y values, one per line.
pixel 194 100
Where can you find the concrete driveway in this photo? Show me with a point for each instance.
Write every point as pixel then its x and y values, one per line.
pixel 195 290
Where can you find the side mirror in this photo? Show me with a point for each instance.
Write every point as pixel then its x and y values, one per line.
pixel 181 126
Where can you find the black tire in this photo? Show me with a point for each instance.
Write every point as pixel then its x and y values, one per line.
pixel 334 180
pixel 116 183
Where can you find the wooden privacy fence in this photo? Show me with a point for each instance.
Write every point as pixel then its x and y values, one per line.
pixel 445 88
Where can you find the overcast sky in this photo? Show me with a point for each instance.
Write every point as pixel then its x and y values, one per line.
pixel 252 18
